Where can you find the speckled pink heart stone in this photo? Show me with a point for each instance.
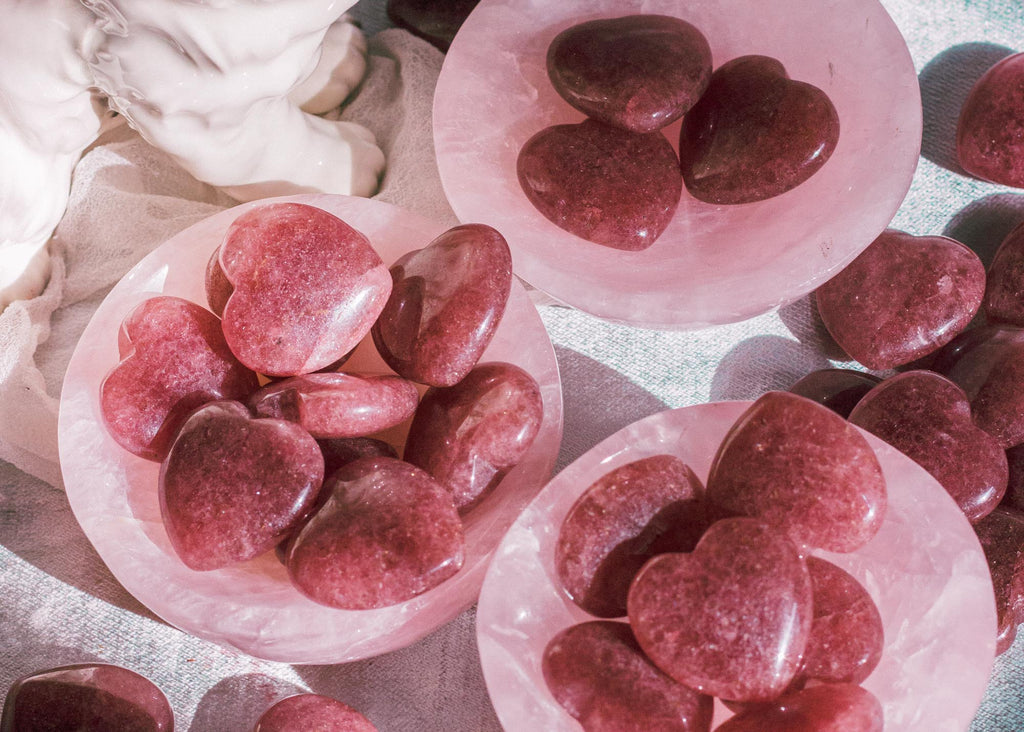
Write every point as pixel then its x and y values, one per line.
pixel 990 132
pixel 1004 289
pixel 311 713
pixel 904 297
pixel 826 708
pixel 1001 534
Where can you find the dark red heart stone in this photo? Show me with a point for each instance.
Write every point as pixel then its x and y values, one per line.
pixel 311 713
pixel 637 72
pixel 599 675
pixel 435 22
pixel 233 486
pixel 927 417
pixel 92 697
pixel 990 133
pixel 732 618
pixel 647 507
pixel 341 451
pixel 446 302
pixel 902 298
pixel 825 708
pixel 755 133
pixel 1004 289
pixel 799 466
pixel 1001 534
pixel 837 389
pixel 469 436
pixel 603 184
pixel 1014 497
pixel 387 533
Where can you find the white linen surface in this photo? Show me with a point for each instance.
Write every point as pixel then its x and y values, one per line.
pixel 59 604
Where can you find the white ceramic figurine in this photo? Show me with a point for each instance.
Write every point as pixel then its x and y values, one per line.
pixel 231 89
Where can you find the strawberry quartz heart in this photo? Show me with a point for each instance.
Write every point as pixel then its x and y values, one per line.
pixel 990 133
pixel 338 405
pixel 232 486
pixel 902 298
pixel 308 712
pixel 173 359
pixel 387 533
pixel 730 619
pixel 446 302
pixel 837 389
pixel 1004 290
pixel 599 675
pixel 1001 534
pixel 640 509
pixel 469 436
pixel 755 133
pixel 344 450
pixel 826 708
pixel 637 72
pixel 603 184
pixel 86 698
pixel 306 288
pixel 928 418
pixel 797 465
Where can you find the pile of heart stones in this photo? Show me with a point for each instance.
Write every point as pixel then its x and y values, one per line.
pixel 106 698
pixel 749 132
pixel 294 464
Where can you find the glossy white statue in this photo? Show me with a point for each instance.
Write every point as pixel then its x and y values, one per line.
pixel 229 88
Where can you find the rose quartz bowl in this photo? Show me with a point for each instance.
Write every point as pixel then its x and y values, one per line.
pixel 253 606
pixel 713 264
pixel 925 571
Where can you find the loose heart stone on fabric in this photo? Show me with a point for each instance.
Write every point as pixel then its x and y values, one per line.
pixel 1004 288
pixel 1001 534
pixel 309 712
pixel 989 139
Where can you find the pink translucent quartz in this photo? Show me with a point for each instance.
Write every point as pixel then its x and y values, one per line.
pixel 924 569
pixel 777 250
pixel 904 297
pixel 307 712
pixel 799 466
pixel 989 142
pixel 827 708
pixel 599 674
pixel 253 607
pixel 627 516
pixel 174 359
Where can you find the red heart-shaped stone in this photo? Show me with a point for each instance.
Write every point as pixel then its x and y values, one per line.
pixel 799 466
pixel 1004 288
pixel 637 72
pixel 603 184
pixel 902 298
pixel 1001 534
pixel 646 507
pixel 306 288
pixel 599 675
pixel 755 133
pixel 232 486
pixel 173 359
pixel 309 712
pixel 825 708
pixel 446 302
pixel 386 533
pixel 990 134
pixel 928 418
pixel 730 619
pixel 837 389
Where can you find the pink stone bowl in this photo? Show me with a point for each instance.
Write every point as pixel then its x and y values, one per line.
pixel 253 607
pixel 925 571
pixel 713 264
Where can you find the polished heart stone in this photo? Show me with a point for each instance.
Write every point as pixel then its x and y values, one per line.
pixel 846 637
pixel 306 288
pixel 637 72
pixel 446 302
pixel 310 713
pixel 91 697
pixel 469 436
pixel 387 533
pixel 730 619
pixel 1001 534
pixel 837 389
pixel 603 184
pixel 338 405
pixel 990 132
pixel 218 286
pixel 928 418
pixel 173 359
pixel 988 364
pixel 799 466
pixel 1004 289
pixel 433 21
pixel 904 297
pixel 755 133
pixel 825 708
pixel 599 675
pixel 232 486
pixel 339 451
pixel 1014 497
pixel 637 510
